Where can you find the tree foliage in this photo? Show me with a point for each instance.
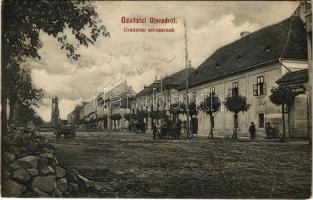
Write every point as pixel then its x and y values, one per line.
pixel 141 114
pixel 24 20
pixel 116 116
pixel 22 91
pixel 22 23
pixel 128 116
pixel 157 114
pixel 24 115
pixel 193 109
pixel 282 95
pixel 77 113
pixel 38 121
pixel 236 104
pixel 211 104
pixel 178 108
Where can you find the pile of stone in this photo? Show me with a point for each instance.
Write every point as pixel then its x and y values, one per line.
pixel 32 170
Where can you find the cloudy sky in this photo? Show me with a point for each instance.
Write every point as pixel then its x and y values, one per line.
pixel 139 57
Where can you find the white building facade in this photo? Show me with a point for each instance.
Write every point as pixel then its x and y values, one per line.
pixel 250 67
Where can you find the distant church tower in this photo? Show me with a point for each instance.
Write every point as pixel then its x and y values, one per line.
pixel 55 115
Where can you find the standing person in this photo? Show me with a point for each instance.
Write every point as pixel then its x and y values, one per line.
pixel 178 128
pixel 154 131
pixel 252 130
pixel 185 126
pixel 268 130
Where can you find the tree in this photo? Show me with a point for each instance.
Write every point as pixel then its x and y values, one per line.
pixel 236 104
pixel 24 115
pixel 282 96
pixel 176 109
pixel 127 116
pixel 192 109
pixel 157 114
pixel 116 116
pixel 38 121
pixel 193 112
pixel 210 105
pixel 22 23
pixel 77 114
pixel 141 115
pixel 22 92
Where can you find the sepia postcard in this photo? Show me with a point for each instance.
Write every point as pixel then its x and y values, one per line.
pixel 156 99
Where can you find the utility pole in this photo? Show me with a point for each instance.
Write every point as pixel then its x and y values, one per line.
pixel 161 85
pixel 308 21
pixel 187 82
pixel 153 98
pixel 211 100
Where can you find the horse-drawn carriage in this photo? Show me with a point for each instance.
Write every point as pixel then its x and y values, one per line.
pixel 68 131
pixel 168 130
pixel 137 127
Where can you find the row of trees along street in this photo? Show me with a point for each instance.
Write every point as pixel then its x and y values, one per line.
pixel 233 104
pixel 20 41
pixel 280 96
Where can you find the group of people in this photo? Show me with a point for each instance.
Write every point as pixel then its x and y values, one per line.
pixel 168 129
pixel 172 129
pixel 271 133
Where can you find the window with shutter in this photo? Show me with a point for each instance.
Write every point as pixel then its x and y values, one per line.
pixel 255 90
pixel 230 91
pixel 264 89
pixel 259 87
pixel 235 90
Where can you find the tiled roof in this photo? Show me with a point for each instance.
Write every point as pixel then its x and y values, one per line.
pixel 293 77
pixel 119 90
pixel 286 39
pixel 172 81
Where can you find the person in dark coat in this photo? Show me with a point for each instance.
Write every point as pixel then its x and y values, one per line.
pixel 178 128
pixel 154 131
pixel 268 130
pixel 252 131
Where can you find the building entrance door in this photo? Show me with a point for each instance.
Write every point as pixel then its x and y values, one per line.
pixel 299 115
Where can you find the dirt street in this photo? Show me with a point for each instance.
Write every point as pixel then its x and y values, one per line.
pixel 133 165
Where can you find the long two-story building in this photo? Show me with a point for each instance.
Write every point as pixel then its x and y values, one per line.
pixel 116 106
pixel 250 67
pixel 159 95
pixel 105 115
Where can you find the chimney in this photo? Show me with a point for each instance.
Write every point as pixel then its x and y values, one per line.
pixel 244 34
pixel 303 10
